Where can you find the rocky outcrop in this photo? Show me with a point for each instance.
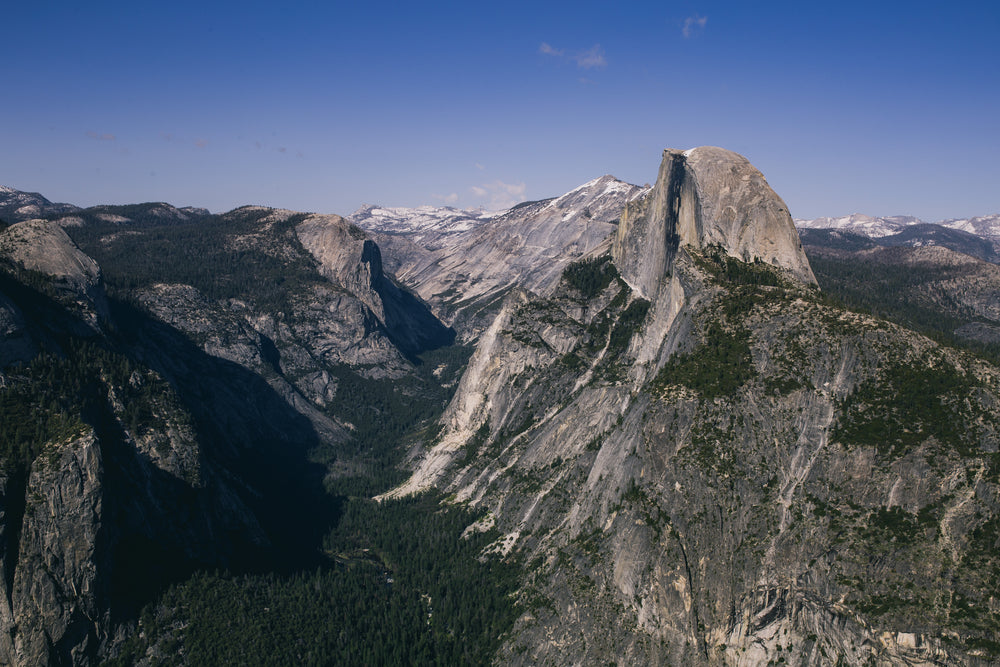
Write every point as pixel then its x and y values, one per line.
pixel 44 247
pixel 353 261
pixel 60 587
pixel 17 206
pixel 702 197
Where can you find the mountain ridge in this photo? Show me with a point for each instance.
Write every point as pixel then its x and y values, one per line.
pixel 684 450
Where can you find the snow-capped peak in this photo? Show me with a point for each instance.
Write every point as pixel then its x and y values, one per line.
pixel 987 226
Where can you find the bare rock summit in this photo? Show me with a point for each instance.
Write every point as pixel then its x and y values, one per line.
pixel 706 196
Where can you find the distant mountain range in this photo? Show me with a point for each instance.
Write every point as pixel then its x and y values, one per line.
pixel 978 237
pixel 986 226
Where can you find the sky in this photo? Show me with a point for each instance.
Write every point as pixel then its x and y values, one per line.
pixel 888 108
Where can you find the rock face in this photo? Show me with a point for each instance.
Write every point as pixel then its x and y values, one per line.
pixel 706 196
pixel 349 258
pixel 464 270
pixel 42 246
pixel 705 463
pixel 60 590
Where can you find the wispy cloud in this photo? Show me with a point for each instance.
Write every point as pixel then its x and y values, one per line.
pixel 201 143
pixel 694 26
pixel 499 195
pixel 592 58
pixel 548 50
pixel 100 137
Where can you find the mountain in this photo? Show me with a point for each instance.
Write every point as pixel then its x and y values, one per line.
pixel 951 295
pixel 629 425
pixel 151 213
pixel 987 226
pixel 464 269
pixel 16 206
pixel 858 223
pixel 703 461
pixel 180 397
pixel 979 237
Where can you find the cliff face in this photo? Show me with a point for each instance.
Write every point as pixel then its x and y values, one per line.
pixel 43 247
pixel 349 258
pixel 464 272
pixel 60 590
pixel 704 463
pixel 705 196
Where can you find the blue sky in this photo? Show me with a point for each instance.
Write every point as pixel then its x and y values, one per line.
pixel 881 108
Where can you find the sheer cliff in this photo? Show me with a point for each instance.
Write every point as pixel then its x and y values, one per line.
pixel 464 270
pixel 702 460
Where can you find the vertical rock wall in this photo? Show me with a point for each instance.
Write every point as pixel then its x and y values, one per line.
pixel 705 196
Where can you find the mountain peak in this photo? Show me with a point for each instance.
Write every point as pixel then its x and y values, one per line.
pixel 706 196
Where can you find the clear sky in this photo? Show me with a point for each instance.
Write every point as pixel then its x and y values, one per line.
pixel 875 107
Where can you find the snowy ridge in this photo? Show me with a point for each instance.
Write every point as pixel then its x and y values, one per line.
pixel 605 186
pixel 17 205
pixel 437 220
pixel 401 220
pixel 987 227
pixel 859 223
pixel 461 261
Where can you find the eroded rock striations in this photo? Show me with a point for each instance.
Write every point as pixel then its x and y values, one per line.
pixel 463 271
pixel 703 462
pixel 703 197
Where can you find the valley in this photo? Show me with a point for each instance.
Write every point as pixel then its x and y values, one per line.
pixel 627 425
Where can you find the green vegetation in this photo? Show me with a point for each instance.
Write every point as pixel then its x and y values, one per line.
pixel 717 367
pixel 612 329
pixel 218 255
pixel 629 320
pixel 904 295
pixel 401 586
pixel 52 398
pixel 384 413
pixel 908 403
pixel 590 277
pixel 727 270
